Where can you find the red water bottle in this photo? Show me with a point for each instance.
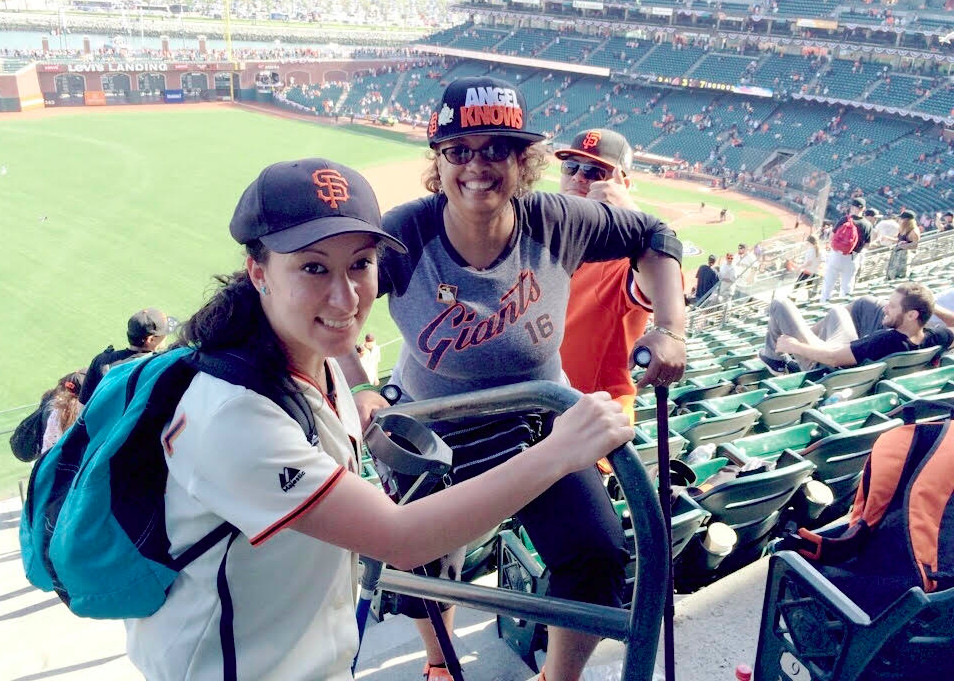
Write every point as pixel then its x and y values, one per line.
pixel 743 672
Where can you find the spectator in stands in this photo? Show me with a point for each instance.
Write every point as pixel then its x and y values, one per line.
pixel 907 240
pixel 372 358
pixel 834 341
pixel 145 331
pixel 500 256
pixel 839 264
pixel 747 262
pixel 728 273
pixel 706 280
pixel 865 228
pixel 947 221
pixel 885 232
pixel 64 408
pixel 811 260
pixel 607 312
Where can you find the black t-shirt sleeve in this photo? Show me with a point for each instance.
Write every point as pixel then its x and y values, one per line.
pixel 878 345
pixel 940 336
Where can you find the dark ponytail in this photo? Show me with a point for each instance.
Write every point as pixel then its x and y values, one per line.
pixel 233 319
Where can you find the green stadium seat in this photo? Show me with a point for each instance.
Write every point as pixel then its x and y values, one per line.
pixel 904 363
pixel 752 506
pixel 718 429
pixel 840 459
pixel 707 469
pixel 645 409
pixel 920 383
pixel 694 393
pixel 858 380
pixel 729 403
pixel 809 625
pixel 772 444
pixel 707 380
pixel 782 409
pixel 648 450
pixel 853 413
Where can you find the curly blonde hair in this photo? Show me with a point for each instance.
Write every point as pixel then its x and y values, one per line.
pixel 531 161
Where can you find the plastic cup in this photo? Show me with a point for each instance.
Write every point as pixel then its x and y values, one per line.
pixel 720 539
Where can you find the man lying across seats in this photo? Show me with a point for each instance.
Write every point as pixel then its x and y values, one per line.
pixel 846 337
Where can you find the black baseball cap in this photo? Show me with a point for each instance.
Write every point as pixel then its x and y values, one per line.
pixel 907 214
pixel 481 106
pixel 871 213
pixel 296 203
pixel 858 202
pixel 150 322
pixel 600 144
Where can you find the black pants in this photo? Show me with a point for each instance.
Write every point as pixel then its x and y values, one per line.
pixel 572 524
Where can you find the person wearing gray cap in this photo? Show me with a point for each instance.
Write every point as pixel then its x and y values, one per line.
pixel 284 608
pixel 146 330
pixel 481 301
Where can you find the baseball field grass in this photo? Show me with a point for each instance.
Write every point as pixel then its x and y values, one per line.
pixel 105 213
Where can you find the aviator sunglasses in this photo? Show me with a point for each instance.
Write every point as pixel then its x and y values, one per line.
pixel 495 152
pixel 591 172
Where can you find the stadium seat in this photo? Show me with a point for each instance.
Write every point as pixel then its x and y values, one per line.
pixel 852 414
pixel 751 505
pixel 716 429
pixel 521 569
pixel 811 628
pixel 729 403
pixel 840 459
pixel 694 393
pixel 647 446
pixel 770 445
pixel 780 409
pixel 904 363
pixel 920 383
pixel 858 380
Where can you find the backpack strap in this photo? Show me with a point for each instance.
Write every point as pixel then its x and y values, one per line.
pixel 882 475
pixel 928 509
pixel 237 367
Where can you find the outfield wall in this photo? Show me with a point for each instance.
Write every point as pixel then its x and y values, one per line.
pixel 101 83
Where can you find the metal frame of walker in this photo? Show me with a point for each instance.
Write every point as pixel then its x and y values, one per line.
pixel 639 627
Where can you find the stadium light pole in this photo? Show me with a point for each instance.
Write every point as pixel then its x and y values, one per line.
pixel 228 46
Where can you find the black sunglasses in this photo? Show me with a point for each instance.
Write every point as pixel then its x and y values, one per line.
pixel 495 152
pixel 590 172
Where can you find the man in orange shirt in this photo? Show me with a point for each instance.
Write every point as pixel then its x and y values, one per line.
pixel 607 312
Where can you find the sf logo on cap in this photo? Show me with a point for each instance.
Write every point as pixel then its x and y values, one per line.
pixel 332 186
pixel 591 140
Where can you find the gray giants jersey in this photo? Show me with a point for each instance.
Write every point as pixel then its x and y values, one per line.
pixel 465 329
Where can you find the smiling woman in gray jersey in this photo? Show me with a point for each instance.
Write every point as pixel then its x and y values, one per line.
pixel 480 299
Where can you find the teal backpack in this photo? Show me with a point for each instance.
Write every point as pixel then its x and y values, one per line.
pixel 93 527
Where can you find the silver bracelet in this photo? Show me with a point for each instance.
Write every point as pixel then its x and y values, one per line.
pixel 672 334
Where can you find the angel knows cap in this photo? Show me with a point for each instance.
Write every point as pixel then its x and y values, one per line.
pixel 480 106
